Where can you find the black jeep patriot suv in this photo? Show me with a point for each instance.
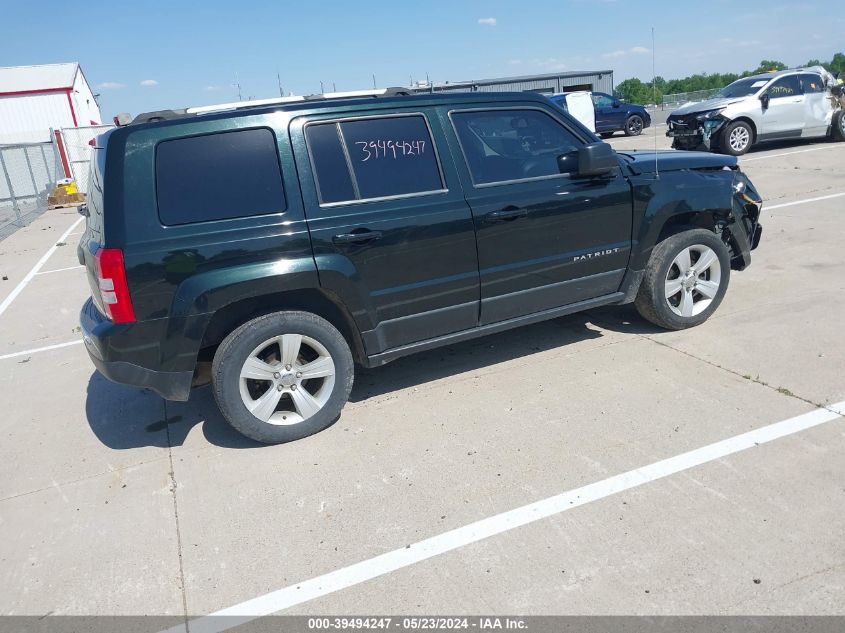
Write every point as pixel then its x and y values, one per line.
pixel 282 243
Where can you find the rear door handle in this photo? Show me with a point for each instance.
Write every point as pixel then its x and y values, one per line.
pixel 357 238
pixel 507 214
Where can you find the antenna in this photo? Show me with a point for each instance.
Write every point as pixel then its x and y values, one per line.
pixel 374 81
pixel 238 86
pixel 654 98
pixel 279 80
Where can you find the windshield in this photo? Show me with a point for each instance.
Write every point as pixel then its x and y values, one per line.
pixel 742 88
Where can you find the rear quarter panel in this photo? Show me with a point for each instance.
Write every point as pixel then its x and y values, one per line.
pixel 184 273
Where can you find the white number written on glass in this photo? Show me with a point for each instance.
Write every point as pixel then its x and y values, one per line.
pixel 389 149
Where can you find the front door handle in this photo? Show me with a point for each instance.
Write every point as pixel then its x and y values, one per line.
pixel 507 214
pixel 357 238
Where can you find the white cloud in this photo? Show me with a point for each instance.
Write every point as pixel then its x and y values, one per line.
pixel 110 85
pixel 550 64
pixel 636 50
pixel 514 62
pixel 149 82
pixel 211 88
pixel 487 21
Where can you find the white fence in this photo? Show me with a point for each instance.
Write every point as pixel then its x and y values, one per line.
pixel 78 143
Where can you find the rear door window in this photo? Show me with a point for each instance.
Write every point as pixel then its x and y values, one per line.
pixel 364 159
pixel 788 86
pixel 218 176
pixel 812 83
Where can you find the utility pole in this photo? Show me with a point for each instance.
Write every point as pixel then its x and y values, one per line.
pixel 334 87
pixel 279 79
pixel 238 86
pixel 322 90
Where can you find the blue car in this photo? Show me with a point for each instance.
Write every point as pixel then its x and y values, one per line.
pixel 613 115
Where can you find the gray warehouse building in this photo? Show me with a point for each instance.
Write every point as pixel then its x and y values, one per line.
pixel 597 80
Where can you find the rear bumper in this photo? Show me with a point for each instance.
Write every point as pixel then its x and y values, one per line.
pixel 105 341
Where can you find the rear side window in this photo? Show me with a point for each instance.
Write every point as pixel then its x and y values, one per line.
pixel 373 158
pixel 812 83
pixel 507 145
pixel 218 176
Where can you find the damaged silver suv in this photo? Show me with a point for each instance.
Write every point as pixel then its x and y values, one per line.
pixel 790 104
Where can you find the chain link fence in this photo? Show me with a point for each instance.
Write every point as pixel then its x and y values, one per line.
pixel 676 100
pixel 27 174
pixel 78 142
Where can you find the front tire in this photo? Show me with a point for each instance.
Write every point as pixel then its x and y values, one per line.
pixel 685 280
pixel 634 125
pixel 737 138
pixel 282 376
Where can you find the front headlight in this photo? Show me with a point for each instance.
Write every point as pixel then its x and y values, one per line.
pixel 710 114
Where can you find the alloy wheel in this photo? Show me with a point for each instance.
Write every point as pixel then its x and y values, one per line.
pixel 287 379
pixel 693 280
pixel 635 125
pixel 739 139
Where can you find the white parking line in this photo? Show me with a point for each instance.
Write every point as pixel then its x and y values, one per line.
pixel 58 270
pixel 806 201
pixel 19 288
pixel 799 151
pixel 498 524
pixel 29 352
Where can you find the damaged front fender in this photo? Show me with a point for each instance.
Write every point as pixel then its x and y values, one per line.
pixel 721 200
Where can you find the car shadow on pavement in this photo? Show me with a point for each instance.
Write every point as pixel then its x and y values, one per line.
pixel 471 355
pixel 125 417
pixel 797 143
pixel 623 319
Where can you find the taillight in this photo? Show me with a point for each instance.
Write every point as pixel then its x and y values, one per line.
pixel 114 291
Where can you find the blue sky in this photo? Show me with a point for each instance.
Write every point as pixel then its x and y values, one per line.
pixel 148 55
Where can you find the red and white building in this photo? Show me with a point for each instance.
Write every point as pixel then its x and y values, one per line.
pixel 34 99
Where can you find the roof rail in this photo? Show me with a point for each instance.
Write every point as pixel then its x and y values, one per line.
pixel 163 115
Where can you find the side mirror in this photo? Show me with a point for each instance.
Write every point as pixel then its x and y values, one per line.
pixel 764 99
pixel 568 163
pixel 596 159
pixel 616 104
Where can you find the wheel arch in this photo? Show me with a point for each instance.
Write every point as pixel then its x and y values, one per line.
pixel 750 123
pixel 317 301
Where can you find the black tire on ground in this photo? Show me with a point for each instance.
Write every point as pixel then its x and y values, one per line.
pixel 634 125
pixel 733 136
pixel 606 134
pixel 838 126
pixel 239 345
pixel 651 301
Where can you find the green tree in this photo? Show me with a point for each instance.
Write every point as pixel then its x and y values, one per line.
pixel 636 91
pixel 769 65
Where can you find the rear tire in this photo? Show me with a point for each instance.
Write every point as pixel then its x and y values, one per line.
pixel 737 138
pixel 634 125
pixel 282 376
pixel 838 126
pixel 685 280
pixel 606 134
